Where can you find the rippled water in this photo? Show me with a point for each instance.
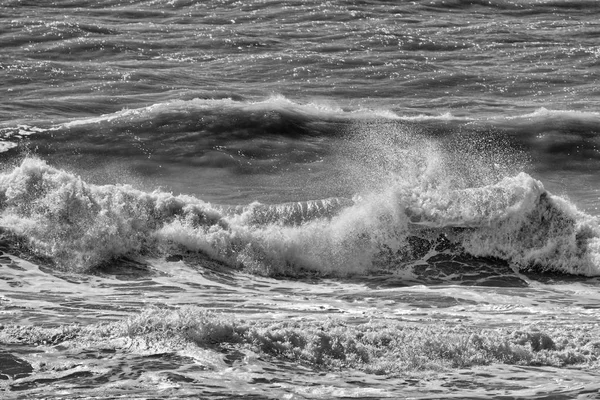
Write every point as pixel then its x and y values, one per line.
pixel 298 199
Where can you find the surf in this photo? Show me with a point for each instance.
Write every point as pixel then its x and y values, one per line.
pixel 79 226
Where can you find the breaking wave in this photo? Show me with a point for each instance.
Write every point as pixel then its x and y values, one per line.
pixel 78 226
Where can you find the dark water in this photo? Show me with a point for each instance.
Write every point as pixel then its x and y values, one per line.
pixel 298 199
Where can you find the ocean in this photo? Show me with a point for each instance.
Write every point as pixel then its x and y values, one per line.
pixel 299 199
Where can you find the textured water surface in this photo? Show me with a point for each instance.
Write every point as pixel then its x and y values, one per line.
pixel 299 199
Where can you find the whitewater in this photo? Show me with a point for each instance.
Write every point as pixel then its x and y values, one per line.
pixel 299 200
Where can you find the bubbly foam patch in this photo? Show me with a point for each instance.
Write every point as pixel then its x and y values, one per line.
pixel 382 347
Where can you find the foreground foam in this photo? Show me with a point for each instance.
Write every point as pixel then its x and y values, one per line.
pixel 381 347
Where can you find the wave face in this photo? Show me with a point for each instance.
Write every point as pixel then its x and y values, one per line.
pixel 78 226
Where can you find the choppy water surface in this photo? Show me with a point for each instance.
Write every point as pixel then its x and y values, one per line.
pixel 297 199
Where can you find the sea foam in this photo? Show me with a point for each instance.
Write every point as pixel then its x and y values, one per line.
pixel 79 226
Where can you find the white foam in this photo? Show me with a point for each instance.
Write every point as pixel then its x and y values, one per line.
pixel 80 225
pixel 5 146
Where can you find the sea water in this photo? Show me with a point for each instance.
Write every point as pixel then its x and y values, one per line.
pixel 299 199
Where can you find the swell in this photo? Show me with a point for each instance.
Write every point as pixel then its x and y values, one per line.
pixel 209 132
pixel 205 133
pixel 78 226
pixel 557 140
